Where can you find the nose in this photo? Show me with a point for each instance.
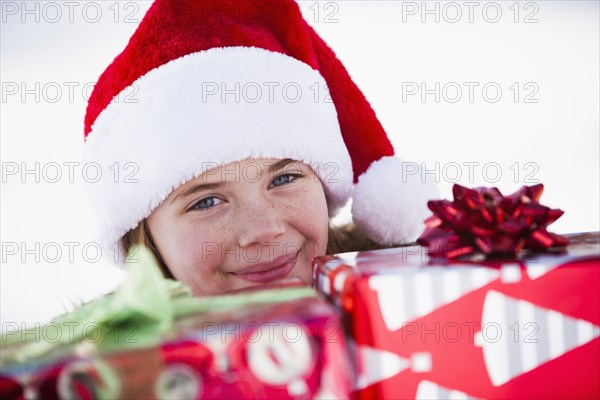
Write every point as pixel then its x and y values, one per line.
pixel 260 222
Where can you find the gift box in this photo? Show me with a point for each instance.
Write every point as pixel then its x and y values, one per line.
pixel 525 327
pixel 148 341
pixel 293 349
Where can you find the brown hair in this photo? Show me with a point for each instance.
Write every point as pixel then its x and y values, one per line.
pixel 340 239
pixel 141 235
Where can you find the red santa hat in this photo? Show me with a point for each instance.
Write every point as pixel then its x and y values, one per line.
pixel 204 83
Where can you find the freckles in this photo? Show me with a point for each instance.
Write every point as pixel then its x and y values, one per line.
pixel 301 213
pixel 306 203
pixel 214 239
pixel 296 211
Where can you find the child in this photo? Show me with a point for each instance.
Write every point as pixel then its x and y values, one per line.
pixel 244 98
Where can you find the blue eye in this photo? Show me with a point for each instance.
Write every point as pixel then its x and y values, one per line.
pixel 284 179
pixel 205 203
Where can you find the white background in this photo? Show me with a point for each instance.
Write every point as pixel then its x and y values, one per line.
pixel 550 46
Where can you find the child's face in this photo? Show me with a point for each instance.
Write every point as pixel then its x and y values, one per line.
pixel 218 238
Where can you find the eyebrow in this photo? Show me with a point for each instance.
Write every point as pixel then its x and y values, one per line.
pixel 208 186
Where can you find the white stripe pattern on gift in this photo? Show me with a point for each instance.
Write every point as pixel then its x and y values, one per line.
pixel 414 292
pixel 428 390
pixel 376 365
pixel 539 265
pixel 323 278
pixel 529 335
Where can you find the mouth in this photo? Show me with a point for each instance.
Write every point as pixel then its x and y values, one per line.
pixel 267 272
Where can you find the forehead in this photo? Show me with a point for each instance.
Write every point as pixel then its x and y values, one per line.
pixel 250 168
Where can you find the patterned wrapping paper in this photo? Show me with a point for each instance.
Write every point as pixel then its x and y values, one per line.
pixel 526 328
pixel 291 349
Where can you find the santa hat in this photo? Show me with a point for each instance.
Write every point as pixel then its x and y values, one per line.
pixel 205 83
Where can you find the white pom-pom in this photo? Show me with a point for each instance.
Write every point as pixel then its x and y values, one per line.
pixel 389 202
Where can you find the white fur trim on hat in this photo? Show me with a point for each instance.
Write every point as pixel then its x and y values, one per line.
pixel 203 110
pixel 389 202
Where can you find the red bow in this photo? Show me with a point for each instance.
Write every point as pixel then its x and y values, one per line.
pixel 484 220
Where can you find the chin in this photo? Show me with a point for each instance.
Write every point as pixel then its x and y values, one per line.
pixel 302 272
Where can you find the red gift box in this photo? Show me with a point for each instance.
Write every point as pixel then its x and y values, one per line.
pixel 526 328
pixel 286 350
pixel 292 349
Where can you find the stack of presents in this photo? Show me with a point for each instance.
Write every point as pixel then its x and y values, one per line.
pixel 456 317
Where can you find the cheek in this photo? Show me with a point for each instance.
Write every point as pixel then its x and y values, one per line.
pixel 310 217
pixel 203 248
pixel 186 247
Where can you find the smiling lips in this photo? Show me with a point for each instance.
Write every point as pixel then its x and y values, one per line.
pixel 266 272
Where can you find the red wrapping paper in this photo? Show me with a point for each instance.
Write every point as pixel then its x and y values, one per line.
pixel 288 350
pixel 524 328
